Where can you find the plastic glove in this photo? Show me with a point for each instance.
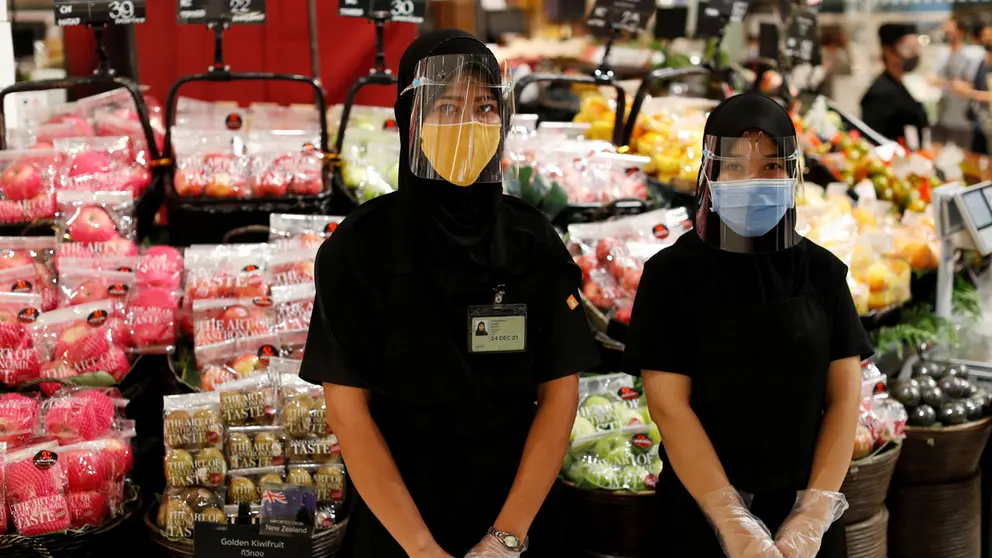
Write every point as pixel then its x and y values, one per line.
pixel 802 532
pixel 741 534
pixel 489 547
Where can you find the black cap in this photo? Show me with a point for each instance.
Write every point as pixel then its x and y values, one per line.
pixel 890 33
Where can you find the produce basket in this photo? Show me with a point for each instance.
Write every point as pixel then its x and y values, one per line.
pixel 93 541
pixel 932 455
pixel 625 522
pixel 867 484
pixel 147 205
pixel 868 538
pixel 195 220
pixel 326 543
pixel 936 520
pixel 600 78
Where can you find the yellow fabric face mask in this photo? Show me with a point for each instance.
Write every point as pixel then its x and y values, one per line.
pixel 460 152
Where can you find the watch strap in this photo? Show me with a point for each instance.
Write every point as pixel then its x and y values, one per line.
pixel 507 540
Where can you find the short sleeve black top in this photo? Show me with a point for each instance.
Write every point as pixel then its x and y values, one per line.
pixel 680 279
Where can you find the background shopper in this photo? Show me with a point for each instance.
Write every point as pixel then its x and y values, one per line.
pixel 756 386
pixel 959 62
pixel 977 92
pixel 888 107
pixel 437 426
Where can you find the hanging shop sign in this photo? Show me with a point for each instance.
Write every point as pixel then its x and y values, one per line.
pixel 238 12
pixel 403 11
pixel 802 45
pixel 70 13
pixel 608 16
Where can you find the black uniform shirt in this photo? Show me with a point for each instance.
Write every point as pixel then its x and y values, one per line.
pixel 888 107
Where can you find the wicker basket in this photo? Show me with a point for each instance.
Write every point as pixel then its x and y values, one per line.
pixel 867 483
pixel 935 455
pixel 868 539
pixel 326 544
pixel 625 522
pixel 936 521
pixel 89 542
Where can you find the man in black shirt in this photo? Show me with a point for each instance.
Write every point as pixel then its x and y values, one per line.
pixel 888 107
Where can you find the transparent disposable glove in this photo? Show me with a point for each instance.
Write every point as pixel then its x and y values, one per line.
pixel 802 532
pixel 489 547
pixel 741 534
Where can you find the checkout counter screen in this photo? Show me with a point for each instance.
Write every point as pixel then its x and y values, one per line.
pixel 978 206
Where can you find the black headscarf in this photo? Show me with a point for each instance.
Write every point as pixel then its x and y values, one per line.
pixel 730 119
pixel 456 223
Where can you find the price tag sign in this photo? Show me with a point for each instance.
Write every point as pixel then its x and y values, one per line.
pixel 802 45
pixel 236 12
pixel 404 11
pixel 70 13
pixel 212 540
pixel 624 15
pixel 734 10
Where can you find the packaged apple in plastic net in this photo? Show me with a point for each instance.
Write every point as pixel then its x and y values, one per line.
pixel 80 340
pixel 255 446
pixel 20 358
pixel 227 271
pixel 150 318
pixel 618 460
pixel 76 414
pixel 301 231
pixel 211 164
pixel 161 267
pixel 252 401
pixel 243 484
pixel 27 183
pixel 35 490
pixel 88 471
pixel 95 224
pixel 101 164
pixel 27 265
pixel 285 165
pixel 293 266
pixel 182 508
pixel 19 419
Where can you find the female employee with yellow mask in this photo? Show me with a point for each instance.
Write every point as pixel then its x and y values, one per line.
pixel 437 424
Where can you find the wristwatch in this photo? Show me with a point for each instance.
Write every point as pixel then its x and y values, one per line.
pixel 510 541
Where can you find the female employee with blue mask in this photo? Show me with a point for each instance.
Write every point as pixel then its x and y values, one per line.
pixel 750 349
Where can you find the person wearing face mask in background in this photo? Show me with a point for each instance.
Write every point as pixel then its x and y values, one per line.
pixel 958 62
pixel 438 426
pixel 977 93
pixel 756 388
pixel 888 107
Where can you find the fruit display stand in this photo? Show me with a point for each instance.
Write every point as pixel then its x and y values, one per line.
pixel 91 541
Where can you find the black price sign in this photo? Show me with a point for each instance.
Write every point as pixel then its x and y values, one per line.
pixel 404 11
pixel 237 12
pixel 624 15
pixel 733 10
pixel 801 39
pixel 211 540
pixel 69 13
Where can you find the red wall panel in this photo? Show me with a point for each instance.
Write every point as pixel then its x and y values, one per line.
pixel 168 51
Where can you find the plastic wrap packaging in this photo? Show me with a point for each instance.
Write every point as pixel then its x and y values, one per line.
pixel 227 271
pixel 625 459
pixel 236 359
pixel 20 416
pixel 294 307
pixel 226 321
pixel 27 183
pixel 371 162
pixel 247 447
pixel 3 488
pixel 293 266
pixel 181 508
pixel 211 164
pixel 119 117
pixel 84 284
pixel 250 401
pixel 301 231
pixel 243 484
pixel 80 340
pixel 160 267
pixel 20 359
pixel 74 115
pixel 151 319
pixel 35 490
pixel 194 439
pixel 95 471
pixel 95 224
pixel 27 265
pixel 302 119
pixel 101 164
pixel 284 165
pixel 77 414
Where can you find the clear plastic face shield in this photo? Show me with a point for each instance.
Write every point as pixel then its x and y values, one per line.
pixel 462 105
pixel 750 192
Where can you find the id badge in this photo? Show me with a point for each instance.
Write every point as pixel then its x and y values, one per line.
pixel 497 328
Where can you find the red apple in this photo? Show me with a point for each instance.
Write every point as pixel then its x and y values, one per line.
pixel 89 162
pixel 221 185
pixel 85 470
pixel 623 313
pixel 306 185
pixel 87 508
pixel 586 263
pixel 189 183
pixel 92 224
pixel 270 185
pixel 10 258
pixel 20 182
pixel 631 279
pixel 605 249
pixel 88 291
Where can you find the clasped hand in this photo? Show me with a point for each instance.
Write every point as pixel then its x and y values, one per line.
pixel 802 532
pixel 489 547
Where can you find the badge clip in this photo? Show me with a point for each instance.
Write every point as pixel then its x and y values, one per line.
pixel 500 291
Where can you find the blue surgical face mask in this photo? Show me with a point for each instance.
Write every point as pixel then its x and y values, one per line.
pixel 753 207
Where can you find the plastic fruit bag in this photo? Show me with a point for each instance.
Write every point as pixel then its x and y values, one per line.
pixel 293 266
pixel 236 359
pixel 160 266
pixel 183 507
pixel 625 459
pixel 192 421
pixel 150 318
pixel 35 490
pixel 301 231
pixel 223 321
pixel 83 284
pixel 294 307
pixel 250 402
pixel 284 165
pixel 227 271
pixel 255 446
pixel 3 488
pixel 19 418
pixel 80 340
pixel 211 164
pixel 101 164
pixel 27 183
pixel 303 412
pixel 243 484
pixel 95 224
pixel 87 473
pixel 20 359
pixel 81 414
